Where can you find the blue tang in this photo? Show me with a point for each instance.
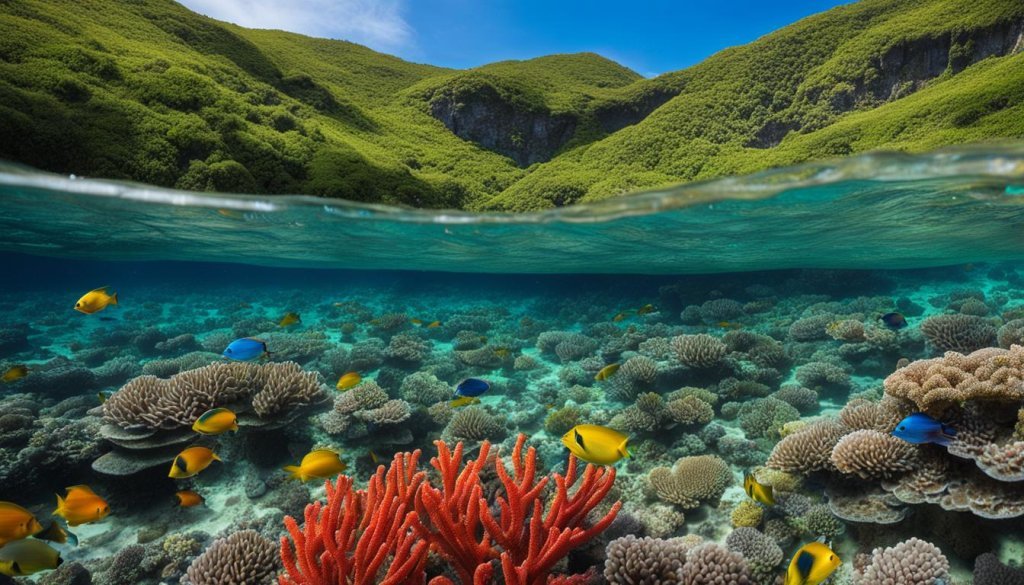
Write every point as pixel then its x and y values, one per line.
pixel 919 428
pixel 245 349
pixel 471 387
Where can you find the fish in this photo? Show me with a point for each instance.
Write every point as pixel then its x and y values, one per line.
pixel 317 464
pixel 502 352
pixel 416 322
pixel 894 320
pixel 216 421
pixel 472 387
pixel 760 493
pixel 596 444
pixel 191 461
pixel 289 319
pixel 349 380
pixel 812 564
pixel 373 458
pixel 56 533
pixel 606 372
pixel 620 317
pixel 14 373
pixel 102 397
pixel 433 324
pixel 95 301
pixel 27 557
pixel 81 505
pixel 648 308
pixel 919 428
pixel 464 401
pixel 189 498
pixel 16 523
pixel 245 349
pixel 729 325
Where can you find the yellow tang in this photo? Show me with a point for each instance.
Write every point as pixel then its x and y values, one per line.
pixel 606 372
pixel 26 557
pixel 464 401
pixel 758 491
pixel 216 421
pixel 289 319
pixel 812 564
pixel 349 380
pixel 15 373
pixel 95 301
pixel 318 464
pixel 81 505
pixel 191 461
pixel 596 444
pixel 16 523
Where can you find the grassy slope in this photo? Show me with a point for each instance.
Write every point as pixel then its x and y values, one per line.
pixel 147 90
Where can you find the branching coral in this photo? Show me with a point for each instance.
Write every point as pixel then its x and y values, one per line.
pixel 873 455
pixel 691 481
pixel 913 562
pixel 700 351
pixel 809 449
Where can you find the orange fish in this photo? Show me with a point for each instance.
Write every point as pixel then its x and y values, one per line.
pixel 189 498
pixel 14 374
pixel 349 380
pixel 191 461
pixel 81 505
pixel 16 523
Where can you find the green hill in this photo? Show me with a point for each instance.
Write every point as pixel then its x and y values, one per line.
pixel 147 90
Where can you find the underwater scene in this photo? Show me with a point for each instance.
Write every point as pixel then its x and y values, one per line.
pixel 811 375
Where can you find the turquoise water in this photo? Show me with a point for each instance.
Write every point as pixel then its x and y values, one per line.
pixel 743 312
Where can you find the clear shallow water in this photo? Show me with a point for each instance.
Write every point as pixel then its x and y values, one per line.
pixel 884 210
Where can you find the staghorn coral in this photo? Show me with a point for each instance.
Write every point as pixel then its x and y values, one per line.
pixel 699 351
pixel 692 481
pixel 960 333
pixel 761 553
pixel 713 564
pixel 243 558
pixel 809 449
pixel 871 454
pixel 912 562
pixel 473 424
pixel 645 561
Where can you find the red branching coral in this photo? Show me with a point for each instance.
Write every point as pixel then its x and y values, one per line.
pixel 400 515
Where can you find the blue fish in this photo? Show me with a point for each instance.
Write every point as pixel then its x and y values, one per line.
pixel 471 387
pixel 919 428
pixel 245 349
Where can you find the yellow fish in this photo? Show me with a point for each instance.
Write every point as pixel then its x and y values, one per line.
pixel 502 352
pixel 373 458
pixel 812 564
pixel 216 421
pixel 26 557
pixel 596 444
pixel 416 322
pixel 758 491
pixel 16 523
pixel 188 498
pixel 464 401
pixel 14 373
pixel 102 397
pixel 95 301
pixel 648 308
pixel 433 324
pixel 349 380
pixel 81 505
pixel 56 533
pixel 620 317
pixel 728 325
pixel 606 372
pixel 318 464
pixel 191 461
pixel 289 319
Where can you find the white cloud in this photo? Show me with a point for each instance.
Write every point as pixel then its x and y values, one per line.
pixel 376 23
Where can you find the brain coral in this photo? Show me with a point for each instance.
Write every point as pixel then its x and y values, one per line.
pixel 809 449
pixel 873 455
pixel 693 480
pixel 243 558
pixel 961 333
pixel 913 562
pixel 699 351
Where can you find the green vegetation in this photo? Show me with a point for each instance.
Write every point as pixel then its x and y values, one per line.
pixel 149 91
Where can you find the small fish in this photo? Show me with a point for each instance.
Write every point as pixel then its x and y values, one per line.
pixel 648 308
pixel 919 428
pixel 231 213
pixel 416 322
pixel 216 421
pixel 472 387
pixel 56 533
pixel 189 498
pixel 191 461
pixel 812 564
pixel 502 352
pixel 318 464
pixel 729 325
pixel 760 493
pixel 620 317
pixel 596 444
pixel 349 380
pixel 95 301
pixel 14 373
pixel 289 319
pixel 373 458
pixel 27 557
pixel 433 324
pixel 245 349
pixel 464 401
pixel 894 320
pixel 606 372
pixel 102 397
pixel 81 505
pixel 16 523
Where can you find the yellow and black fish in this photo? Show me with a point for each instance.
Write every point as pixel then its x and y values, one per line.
pixel 289 319
pixel 27 557
pixel 760 493
pixel 606 372
pixel 812 564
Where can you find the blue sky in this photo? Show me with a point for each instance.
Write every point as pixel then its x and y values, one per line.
pixel 650 37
